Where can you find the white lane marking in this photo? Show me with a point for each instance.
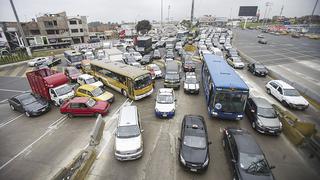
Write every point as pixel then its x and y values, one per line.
pixel 30 145
pixel 3 100
pixel 11 90
pixel 11 120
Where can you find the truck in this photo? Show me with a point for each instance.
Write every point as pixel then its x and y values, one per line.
pixel 51 85
pixel 113 55
pixel 143 45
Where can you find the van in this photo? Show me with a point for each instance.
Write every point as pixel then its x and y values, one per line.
pixel 172 77
pixel 128 140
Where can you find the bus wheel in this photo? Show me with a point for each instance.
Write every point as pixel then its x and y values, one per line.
pixel 124 92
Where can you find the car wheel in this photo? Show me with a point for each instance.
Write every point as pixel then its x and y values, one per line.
pixel 70 115
pixel 253 124
pixel 12 107
pixel 27 114
pixel 268 91
pixel 124 92
pixel 284 103
pixel 254 73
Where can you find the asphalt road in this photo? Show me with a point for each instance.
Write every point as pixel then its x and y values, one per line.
pixel 36 148
pixel 297 60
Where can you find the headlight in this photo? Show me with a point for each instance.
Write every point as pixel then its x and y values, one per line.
pixel 172 110
pixel 197 86
pixel 206 162
pixel 240 116
pixel 259 123
pixel 182 160
pixel 157 110
pixel 185 86
pixel 280 125
pixel 139 149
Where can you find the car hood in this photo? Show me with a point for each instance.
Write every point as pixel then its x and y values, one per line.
pixel 194 155
pixel 157 72
pixel 269 122
pixel 296 100
pixel 36 106
pixel 245 175
pixel 128 144
pixel 100 105
pixel 97 84
pixel 238 63
pixel 105 96
pixel 165 107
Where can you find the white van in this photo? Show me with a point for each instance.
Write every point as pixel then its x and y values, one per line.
pixel 128 143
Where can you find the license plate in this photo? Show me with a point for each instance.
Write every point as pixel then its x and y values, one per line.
pixel 43 110
pixel 271 131
pixel 164 115
pixel 193 170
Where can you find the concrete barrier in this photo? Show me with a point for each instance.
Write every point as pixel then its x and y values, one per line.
pixel 97 131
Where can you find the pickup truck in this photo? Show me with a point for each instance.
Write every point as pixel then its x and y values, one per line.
pixel 51 85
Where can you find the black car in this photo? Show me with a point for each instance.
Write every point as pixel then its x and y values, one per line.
pixel 262 41
pixel 262 116
pixel 245 155
pixel 194 144
pixel 189 66
pixel 30 104
pixel 258 69
pixel 146 59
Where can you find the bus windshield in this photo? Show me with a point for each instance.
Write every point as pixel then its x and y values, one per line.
pixel 142 81
pixel 232 102
pixel 75 58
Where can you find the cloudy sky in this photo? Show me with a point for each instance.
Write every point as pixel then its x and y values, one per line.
pixel 132 10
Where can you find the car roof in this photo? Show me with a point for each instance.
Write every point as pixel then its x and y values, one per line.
pixel 261 102
pixel 88 87
pixel 165 91
pixel 245 142
pixel 23 95
pixel 194 125
pixel 128 116
pixel 283 84
pixel 79 100
pixel 85 76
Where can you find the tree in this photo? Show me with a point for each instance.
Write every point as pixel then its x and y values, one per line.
pixel 143 26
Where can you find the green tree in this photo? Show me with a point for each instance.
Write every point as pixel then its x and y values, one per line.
pixel 143 26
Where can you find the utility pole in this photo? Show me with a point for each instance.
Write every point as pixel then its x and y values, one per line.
pixel 20 29
pixel 168 13
pixel 161 12
pixel 192 10
pixel 281 11
pixel 314 8
pixel 265 12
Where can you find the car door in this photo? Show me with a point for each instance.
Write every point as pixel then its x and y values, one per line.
pixel 75 109
pixel 234 156
pixel 17 105
pixel 279 93
pixel 273 88
pixel 85 110
pixel 249 108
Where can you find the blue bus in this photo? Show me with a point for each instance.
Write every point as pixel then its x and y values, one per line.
pixel 225 92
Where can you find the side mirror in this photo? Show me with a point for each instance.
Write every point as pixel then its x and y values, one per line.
pixel 233 160
pixel 252 111
pixel 175 99
pixel 272 167
pixel 209 142
pixel 142 130
pixel 179 138
pixel 115 134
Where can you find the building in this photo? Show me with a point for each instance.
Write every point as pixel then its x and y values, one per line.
pixel 78 29
pixel 3 40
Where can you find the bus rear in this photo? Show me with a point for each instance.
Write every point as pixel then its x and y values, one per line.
pixel 73 58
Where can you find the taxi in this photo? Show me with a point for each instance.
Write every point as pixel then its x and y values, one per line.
pixel 97 93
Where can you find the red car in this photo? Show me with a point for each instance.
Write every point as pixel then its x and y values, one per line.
pixel 84 106
pixel 72 73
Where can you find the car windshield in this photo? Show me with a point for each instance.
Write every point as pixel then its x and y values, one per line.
pixel 195 141
pixel 253 163
pixel 28 100
pixel 128 131
pixel 142 81
pixel 235 59
pixel 172 76
pixel 259 66
pixel 91 102
pixel 266 112
pixel 232 102
pixel 291 92
pixel 63 90
pixel 165 99
pixel 189 63
pixel 73 71
pixel 191 80
pixel 90 80
pixel 97 92
pixel 155 68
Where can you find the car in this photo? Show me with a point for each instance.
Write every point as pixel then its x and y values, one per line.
pixel 146 59
pixel 72 73
pixel 88 79
pixel 188 65
pixel 179 45
pixel 97 93
pixel 37 61
pixel 258 69
pixel 156 54
pixel 191 84
pixel 155 69
pixel 137 56
pixel 235 62
pixel 245 155
pixel 262 41
pixel 128 135
pixel 89 55
pixel 30 104
pixel 227 46
pixel 193 144
pixel 260 36
pixel 170 55
pixel 165 103
pixel 232 52
pixel 262 116
pixel 129 59
pixel 217 52
pixel 295 35
pixel 286 94
pixel 84 106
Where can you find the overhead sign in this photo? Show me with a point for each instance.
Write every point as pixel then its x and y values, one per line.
pixel 248 10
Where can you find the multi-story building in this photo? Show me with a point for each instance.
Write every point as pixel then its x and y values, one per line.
pixel 78 29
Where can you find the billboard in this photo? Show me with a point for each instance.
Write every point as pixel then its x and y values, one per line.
pixel 248 10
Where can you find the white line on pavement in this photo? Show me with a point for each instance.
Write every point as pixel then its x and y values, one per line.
pixel 10 90
pixel 30 145
pixel 11 120
pixel 3 100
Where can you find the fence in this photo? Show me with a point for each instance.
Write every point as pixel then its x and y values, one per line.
pixel 13 58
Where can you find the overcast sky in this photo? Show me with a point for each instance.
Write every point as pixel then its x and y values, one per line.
pixel 134 10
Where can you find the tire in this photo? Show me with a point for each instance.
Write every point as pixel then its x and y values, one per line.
pixel 268 91
pixel 123 92
pixel 253 124
pixel 12 107
pixel 284 103
pixel 27 114
pixel 254 73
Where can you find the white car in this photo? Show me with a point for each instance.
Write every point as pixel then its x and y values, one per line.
pixel 191 84
pixel 165 103
pixel 235 62
pixel 178 46
pixel 89 55
pixel 88 79
pixel 286 94
pixel 217 52
pixel 137 56
pixel 156 69
pixel 37 61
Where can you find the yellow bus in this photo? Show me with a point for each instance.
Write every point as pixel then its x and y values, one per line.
pixel 130 81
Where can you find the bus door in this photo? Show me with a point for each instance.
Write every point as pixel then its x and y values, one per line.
pixel 130 88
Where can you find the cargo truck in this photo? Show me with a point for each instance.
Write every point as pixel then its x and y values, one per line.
pixel 51 85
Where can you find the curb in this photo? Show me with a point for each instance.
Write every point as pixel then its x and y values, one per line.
pixel 14 64
pixel 274 75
